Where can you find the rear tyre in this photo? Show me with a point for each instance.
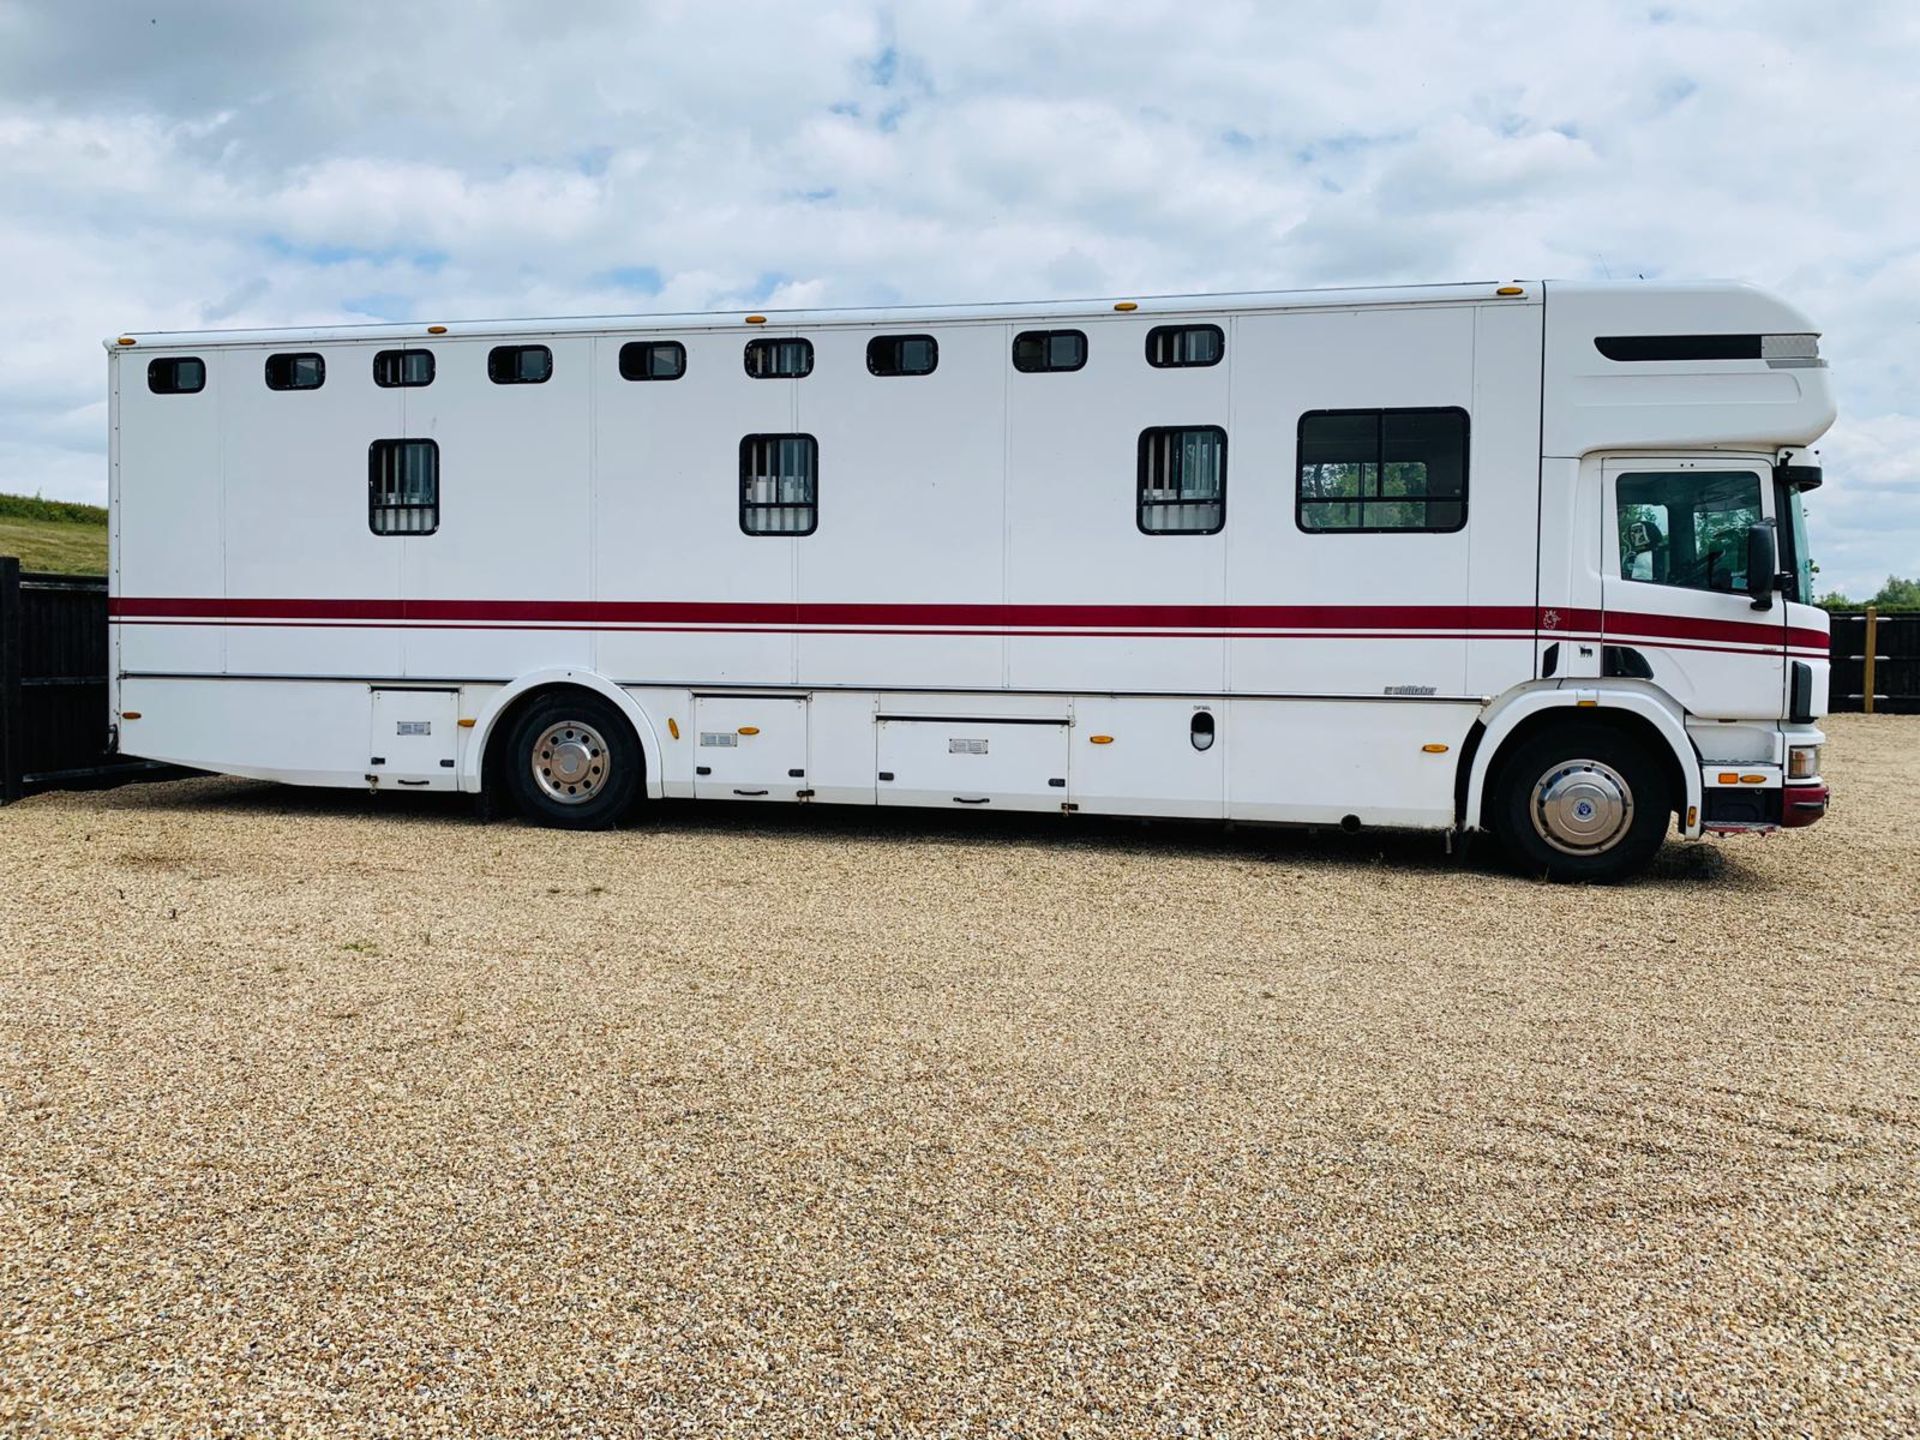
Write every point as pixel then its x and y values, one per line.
pixel 1582 802
pixel 572 761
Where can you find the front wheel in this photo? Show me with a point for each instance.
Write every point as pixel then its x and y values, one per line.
pixel 1583 801
pixel 572 762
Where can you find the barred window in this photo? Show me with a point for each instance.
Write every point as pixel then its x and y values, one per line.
pixel 779 484
pixel 1373 470
pixel 779 359
pixel 403 487
pixel 902 354
pixel 296 372
pixel 1178 346
pixel 177 375
pixel 1183 480
pixel 403 368
pixel 653 360
pixel 1037 352
pixel 520 364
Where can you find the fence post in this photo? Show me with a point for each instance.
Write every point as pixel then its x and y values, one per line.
pixel 1866 672
pixel 13 758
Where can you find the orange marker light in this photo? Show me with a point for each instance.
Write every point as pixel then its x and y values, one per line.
pixel 465 723
pixel 1125 305
pixel 749 729
pixel 1511 290
pixel 756 319
pixel 125 340
pixel 1101 739
pixel 129 714
pixel 673 727
pixel 1729 777
pixel 1753 779
pixel 436 329
pixel 1434 749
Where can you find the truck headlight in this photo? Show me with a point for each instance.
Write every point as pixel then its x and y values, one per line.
pixel 1803 762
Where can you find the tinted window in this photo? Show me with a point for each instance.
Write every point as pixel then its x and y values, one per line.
pixel 1172 346
pixel 403 367
pixel 1038 351
pixel 653 360
pixel 1679 347
pixel 1383 470
pixel 519 364
pixel 403 487
pixel 1687 527
pixel 779 359
pixel 1183 480
pixel 902 354
pixel 779 484
pixel 296 372
pixel 177 375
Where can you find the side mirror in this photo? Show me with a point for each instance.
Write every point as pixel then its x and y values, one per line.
pixel 1762 566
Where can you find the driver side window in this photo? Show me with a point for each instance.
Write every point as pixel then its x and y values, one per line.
pixel 1687 527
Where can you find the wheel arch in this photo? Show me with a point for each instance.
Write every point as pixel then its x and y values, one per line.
pixel 1648 716
pixel 496 715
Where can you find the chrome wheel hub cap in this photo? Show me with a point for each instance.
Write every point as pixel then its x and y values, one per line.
pixel 570 762
pixel 1582 807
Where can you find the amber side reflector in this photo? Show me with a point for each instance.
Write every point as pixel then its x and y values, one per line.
pixel 1693 815
pixel 1586 704
pixel 1511 290
pixel 466 723
pixel 1434 749
pixel 129 714
pixel 673 727
pixel 756 319
pixel 436 329
pixel 1125 305
pixel 1101 739
pixel 124 340
pixel 749 729
pixel 1729 777
pixel 1753 779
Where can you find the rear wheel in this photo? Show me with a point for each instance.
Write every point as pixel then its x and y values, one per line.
pixel 1582 801
pixel 572 761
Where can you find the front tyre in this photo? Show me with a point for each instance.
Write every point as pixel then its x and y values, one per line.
pixel 1583 802
pixel 572 761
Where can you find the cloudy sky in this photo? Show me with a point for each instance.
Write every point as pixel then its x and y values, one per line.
pixel 177 164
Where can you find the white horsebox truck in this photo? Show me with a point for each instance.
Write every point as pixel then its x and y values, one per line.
pixel 1524 558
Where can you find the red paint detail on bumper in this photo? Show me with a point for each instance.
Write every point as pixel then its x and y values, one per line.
pixel 1803 804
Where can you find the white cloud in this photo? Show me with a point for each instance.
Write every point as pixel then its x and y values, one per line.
pixel 203 163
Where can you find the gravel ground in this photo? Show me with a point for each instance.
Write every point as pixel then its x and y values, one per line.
pixel 322 1114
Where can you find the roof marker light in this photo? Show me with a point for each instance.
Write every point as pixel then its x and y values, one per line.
pixel 436 329
pixel 1125 305
pixel 125 340
pixel 1511 290
pixel 756 319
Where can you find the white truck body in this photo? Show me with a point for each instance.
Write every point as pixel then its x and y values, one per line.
pixel 974 609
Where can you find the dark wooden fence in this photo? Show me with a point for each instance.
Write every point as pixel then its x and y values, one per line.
pixel 1876 662
pixel 53 685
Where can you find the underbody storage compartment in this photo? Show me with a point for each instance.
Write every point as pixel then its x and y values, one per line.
pixel 971 763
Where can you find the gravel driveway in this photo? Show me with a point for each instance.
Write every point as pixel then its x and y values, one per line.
pixel 336 1115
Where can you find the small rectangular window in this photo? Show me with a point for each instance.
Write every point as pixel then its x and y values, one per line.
pixel 1177 346
pixel 403 367
pixel 902 354
pixel 1037 352
pixel 520 364
pixel 177 375
pixel 653 360
pixel 403 487
pixel 1370 470
pixel 1678 347
pixel 779 484
pixel 296 372
pixel 779 359
pixel 1183 480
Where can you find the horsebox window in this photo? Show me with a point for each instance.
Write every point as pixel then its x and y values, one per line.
pixel 177 375
pixel 779 359
pixel 779 484
pixel 1382 470
pixel 296 372
pixel 403 487
pixel 902 355
pixel 1183 480
pixel 404 368
pixel 1171 347
pixel 653 360
pixel 520 364
pixel 1039 352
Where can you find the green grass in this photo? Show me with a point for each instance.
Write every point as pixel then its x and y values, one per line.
pixel 56 535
